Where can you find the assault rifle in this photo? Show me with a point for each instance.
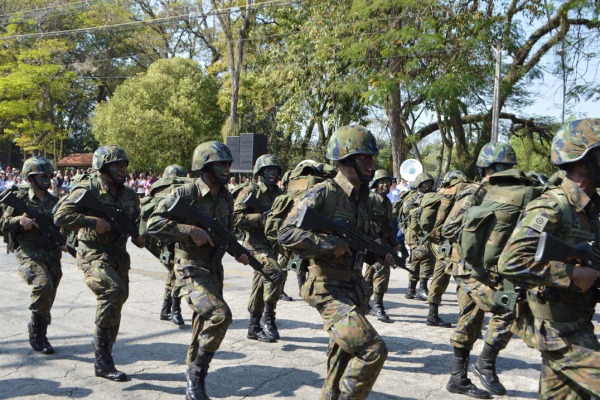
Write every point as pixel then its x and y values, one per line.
pixel 114 216
pixel 551 248
pixel 252 201
pixel 357 240
pixel 46 228
pixel 223 240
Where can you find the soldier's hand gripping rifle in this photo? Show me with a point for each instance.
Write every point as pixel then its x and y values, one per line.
pixel 46 228
pixel 114 216
pixel 224 240
pixel 358 241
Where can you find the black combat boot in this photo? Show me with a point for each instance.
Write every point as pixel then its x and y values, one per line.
pixel 485 369
pixel 268 322
pixel 47 349
pixel 36 332
pixel 104 365
pixel 412 290
pixel 176 317
pixel 196 377
pixel 165 311
pixel 255 332
pixel 422 291
pixel 459 383
pixel 378 309
pixel 433 319
pixel 285 297
pixel 301 279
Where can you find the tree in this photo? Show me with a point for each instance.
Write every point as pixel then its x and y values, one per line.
pixel 161 116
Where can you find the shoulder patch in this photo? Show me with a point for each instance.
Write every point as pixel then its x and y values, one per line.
pixel 538 223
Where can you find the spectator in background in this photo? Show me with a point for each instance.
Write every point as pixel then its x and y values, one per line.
pixel 11 181
pixel 54 185
pixel 132 181
pixel 231 185
pixel 394 193
pixel 67 185
pixel 2 182
pixel 141 185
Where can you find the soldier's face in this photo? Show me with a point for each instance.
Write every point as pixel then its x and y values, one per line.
pixel 426 187
pixel 42 181
pixel 365 164
pixel 269 175
pixel 117 172
pixel 220 171
pixel 383 186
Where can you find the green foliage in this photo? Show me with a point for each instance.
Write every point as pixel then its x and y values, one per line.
pixel 533 153
pixel 161 116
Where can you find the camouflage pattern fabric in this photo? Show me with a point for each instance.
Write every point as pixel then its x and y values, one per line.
pixel 39 263
pixel 105 266
pixel 422 261
pixel 496 153
pixel 35 166
pixel 338 291
pixel 209 152
pixel 198 273
pixel 574 140
pixel 421 178
pixel 557 318
pixel 249 220
pixel 106 155
pixel 174 171
pixel 379 174
pixel 377 277
pixel 266 160
pixel 440 279
pixel 349 140
pixel 474 301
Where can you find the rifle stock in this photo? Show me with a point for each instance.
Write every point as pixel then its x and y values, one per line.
pixel 357 240
pixel 220 236
pixel 46 228
pixel 551 248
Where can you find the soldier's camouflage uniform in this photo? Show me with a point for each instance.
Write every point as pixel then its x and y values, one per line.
pixel 421 256
pixel 474 298
pixel 200 276
pixel 248 220
pixel 556 319
pixel 337 289
pixel 105 264
pixel 39 259
pixel 378 275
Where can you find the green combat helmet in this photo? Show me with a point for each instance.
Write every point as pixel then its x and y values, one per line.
pixel 349 140
pixel 36 166
pixel 453 175
pixel 210 152
pixel 421 178
pixel 174 171
pixel 108 154
pixel 379 174
pixel 496 153
pixel 574 140
pixel 266 160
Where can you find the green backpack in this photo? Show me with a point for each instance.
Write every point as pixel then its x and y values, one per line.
pixel 488 226
pixel 397 210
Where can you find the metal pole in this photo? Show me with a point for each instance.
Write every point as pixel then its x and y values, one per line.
pixel 496 104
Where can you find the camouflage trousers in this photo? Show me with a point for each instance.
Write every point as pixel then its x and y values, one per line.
pixel 439 282
pixel 474 300
pixel 42 271
pixel 171 285
pixel 356 351
pixel 263 291
pixel 107 275
pixel 203 288
pixel 378 278
pixel 573 372
pixel 421 261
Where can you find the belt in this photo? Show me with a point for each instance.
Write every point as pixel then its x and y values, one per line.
pixel 556 312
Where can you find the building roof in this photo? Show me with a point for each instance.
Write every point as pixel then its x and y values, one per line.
pixel 76 160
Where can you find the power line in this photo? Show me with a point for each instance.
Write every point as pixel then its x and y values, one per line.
pixel 268 3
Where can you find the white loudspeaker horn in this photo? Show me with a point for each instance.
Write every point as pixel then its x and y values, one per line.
pixel 409 169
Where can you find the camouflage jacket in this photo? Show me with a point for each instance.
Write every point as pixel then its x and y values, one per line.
pixel 248 219
pixel 71 216
pixel 337 200
pixel 169 229
pixel 410 201
pixel 381 215
pixel 29 240
pixel 470 196
pixel 556 310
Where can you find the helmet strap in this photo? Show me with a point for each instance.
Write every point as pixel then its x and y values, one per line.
pixel 351 162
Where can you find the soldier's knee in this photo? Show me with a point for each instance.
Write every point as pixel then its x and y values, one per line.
pixel 117 294
pixel 222 316
pixel 43 287
pixel 375 353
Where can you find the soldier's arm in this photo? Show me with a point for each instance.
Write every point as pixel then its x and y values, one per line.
pixel 305 243
pixel 70 216
pixel 9 220
pixel 163 226
pixel 241 216
pixel 463 202
pixel 517 261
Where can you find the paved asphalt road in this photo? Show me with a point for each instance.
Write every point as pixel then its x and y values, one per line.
pixel 152 352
